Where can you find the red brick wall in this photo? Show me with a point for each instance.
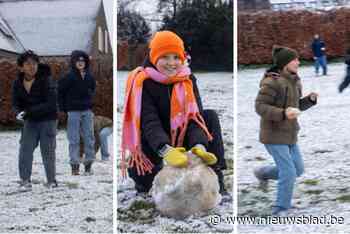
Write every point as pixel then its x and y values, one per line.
pixel 258 32
pixel 103 102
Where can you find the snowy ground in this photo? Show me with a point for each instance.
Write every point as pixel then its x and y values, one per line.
pixel 324 142
pixel 80 204
pixel 137 214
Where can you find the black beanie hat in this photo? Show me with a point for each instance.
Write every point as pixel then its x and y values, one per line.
pixel 283 55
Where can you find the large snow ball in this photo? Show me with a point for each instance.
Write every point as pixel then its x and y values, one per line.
pixel 180 192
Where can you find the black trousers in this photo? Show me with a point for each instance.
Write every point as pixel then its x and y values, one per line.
pixel 143 183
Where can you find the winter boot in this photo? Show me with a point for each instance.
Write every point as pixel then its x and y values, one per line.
pixel 263 183
pixel 88 169
pixel 25 185
pixel 51 185
pixel 226 197
pixel 75 169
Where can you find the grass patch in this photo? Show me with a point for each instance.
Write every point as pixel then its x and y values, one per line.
pixel 314 192
pixel 258 158
pixel 72 185
pixel 343 198
pixel 141 205
pixel 311 182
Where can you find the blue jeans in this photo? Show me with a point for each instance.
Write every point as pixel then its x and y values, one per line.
pixel 81 121
pixel 321 61
pixel 289 165
pixel 104 134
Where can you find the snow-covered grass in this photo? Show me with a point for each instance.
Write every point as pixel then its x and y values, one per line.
pixel 80 204
pixel 324 142
pixel 138 214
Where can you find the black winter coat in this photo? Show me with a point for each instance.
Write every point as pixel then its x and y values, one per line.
pixel 155 119
pixel 40 104
pixel 75 93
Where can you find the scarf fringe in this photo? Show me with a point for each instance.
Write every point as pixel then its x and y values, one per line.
pixel 138 160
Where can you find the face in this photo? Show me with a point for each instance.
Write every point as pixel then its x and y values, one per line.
pixel 292 66
pixel 29 68
pixel 80 64
pixel 169 64
pixel 316 36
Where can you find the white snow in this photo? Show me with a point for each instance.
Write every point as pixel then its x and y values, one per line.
pixel 324 143
pixel 80 204
pixel 216 91
pixel 52 27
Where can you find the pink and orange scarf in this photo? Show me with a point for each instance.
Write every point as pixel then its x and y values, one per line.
pixel 183 109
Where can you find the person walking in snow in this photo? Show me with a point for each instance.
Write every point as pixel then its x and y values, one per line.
pixel 278 103
pixel 346 80
pixel 164 117
pixel 319 51
pixel 75 94
pixel 34 101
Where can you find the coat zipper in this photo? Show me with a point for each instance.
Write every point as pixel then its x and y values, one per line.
pixel 285 99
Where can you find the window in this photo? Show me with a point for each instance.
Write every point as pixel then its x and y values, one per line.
pixel 106 41
pixel 100 39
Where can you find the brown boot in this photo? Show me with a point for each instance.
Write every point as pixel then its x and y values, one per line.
pixel 75 169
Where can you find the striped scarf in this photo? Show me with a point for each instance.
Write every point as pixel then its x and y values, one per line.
pixel 183 109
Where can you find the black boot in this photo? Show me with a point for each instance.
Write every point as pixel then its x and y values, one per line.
pixel 75 169
pixel 88 169
pixel 226 196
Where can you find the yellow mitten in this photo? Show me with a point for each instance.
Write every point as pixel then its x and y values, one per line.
pixel 207 157
pixel 175 157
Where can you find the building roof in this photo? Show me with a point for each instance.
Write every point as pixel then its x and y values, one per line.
pixel 54 27
pixel 7 39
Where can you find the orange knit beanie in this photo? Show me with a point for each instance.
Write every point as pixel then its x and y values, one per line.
pixel 164 42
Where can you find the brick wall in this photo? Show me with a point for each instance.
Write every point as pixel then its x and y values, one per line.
pixel 258 32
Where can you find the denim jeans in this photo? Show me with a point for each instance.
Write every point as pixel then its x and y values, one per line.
pixel 104 134
pixel 81 121
pixel 321 61
pixel 289 165
pixel 33 133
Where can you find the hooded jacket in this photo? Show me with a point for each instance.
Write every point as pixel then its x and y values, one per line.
pixel 40 104
pixel 278 91
pixel 317 46
pixel 75 93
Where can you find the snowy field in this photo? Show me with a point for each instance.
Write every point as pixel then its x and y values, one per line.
pixel 80 204
pixel 324 141
pixel 136 213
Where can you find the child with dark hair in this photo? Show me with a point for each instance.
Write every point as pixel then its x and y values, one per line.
pixel 75 94
pixel 34 102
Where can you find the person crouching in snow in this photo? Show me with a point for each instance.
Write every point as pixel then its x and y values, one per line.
pixel 75 94
pixel 164 117
pixel 279 103
pixel 103 128
pixel 34 101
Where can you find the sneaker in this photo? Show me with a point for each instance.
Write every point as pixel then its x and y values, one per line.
pixel 88 169
pixel 105 159
pixel 279 211
pixel 225 197
pixel 263 183
pixel 51 185
pixel 75 169
pixel 25 185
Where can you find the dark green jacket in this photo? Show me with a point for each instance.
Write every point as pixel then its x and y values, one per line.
pixel 279 90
